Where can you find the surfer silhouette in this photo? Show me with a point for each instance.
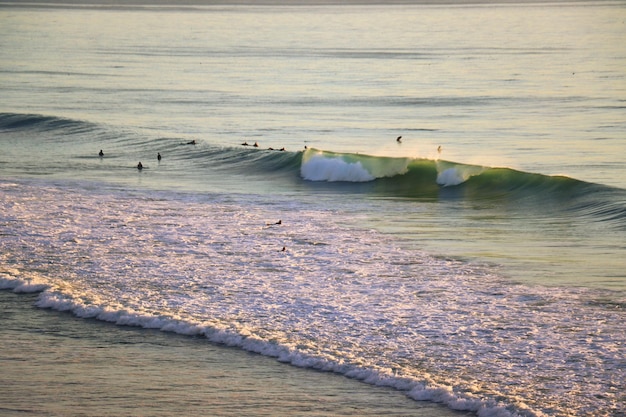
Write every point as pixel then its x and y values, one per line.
pixel 158 156
pixel 100 154
pixel 399 139
pixel 139 166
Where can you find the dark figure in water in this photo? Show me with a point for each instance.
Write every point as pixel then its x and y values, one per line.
pixel 139 166
pixel 399 139
pixel 100 154
pixel 192 142
pixel 158 156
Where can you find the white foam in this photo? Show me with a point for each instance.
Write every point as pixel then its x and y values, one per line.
pixel 352 302
pixel 321 168
pixel 19 285
pixel 450 177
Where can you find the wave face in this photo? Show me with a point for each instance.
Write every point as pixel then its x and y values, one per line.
pixel 318 165
pixel 11 121
pixel 436 179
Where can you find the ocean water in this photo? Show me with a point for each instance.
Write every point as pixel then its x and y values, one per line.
pixel 479 262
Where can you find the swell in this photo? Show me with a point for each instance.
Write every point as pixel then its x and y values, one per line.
pixel 331 172
pixel 42 123
pixel 121 144
pixel 404 177
pixel 428 179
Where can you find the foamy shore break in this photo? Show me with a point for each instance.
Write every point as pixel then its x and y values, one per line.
pixel 171 375
pixel 51 298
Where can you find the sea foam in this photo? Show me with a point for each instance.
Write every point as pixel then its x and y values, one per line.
pixel 351 302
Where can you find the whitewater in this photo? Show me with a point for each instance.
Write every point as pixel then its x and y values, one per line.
pixel 478 263
pixel 440 329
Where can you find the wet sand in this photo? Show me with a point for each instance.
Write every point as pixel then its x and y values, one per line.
pixel 55 364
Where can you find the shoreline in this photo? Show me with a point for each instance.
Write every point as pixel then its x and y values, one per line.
pixel 57 364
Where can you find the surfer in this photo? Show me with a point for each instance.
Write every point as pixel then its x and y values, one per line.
pixel 100 154
pixel 139 166
pixel 284 249
pixel 439 149
pixel 159 156
pixel 245 144
pixel 256 144
pixel 272 224
pixel 399 139
pixel 192 142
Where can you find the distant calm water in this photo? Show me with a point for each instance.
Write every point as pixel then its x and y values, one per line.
pixel 479 261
